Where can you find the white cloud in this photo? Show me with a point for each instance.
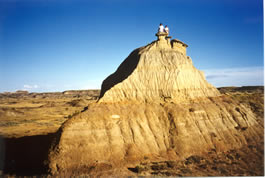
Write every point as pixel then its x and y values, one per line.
pixel 247 76
pixel 29 87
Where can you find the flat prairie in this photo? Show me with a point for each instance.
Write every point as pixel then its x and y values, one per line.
pixel 28 114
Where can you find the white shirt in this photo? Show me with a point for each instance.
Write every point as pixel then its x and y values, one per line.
pixel 161 28
pixel 166 30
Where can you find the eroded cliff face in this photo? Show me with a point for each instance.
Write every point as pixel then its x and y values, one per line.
pixel 156 72
pixel 156 106
pixel 124 133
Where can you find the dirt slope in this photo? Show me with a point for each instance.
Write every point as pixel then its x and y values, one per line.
pixel 34 145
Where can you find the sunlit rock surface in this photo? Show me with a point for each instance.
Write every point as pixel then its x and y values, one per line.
pixel 156 106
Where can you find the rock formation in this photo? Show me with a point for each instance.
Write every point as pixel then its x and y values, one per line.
pixel 160 70
pixel 156 106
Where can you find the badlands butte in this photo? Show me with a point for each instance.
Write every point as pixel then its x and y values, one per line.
pixel 155 115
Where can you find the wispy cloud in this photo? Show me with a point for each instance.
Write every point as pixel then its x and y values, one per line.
pixel 30 87
pixel 59 87
pixel 235 76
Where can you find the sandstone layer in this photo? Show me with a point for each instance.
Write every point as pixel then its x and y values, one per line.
pixel 156 106
pixel 123 133
pixel 156 72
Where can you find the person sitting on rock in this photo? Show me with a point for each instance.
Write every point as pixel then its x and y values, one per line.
pixel 166 30
pixel 161 28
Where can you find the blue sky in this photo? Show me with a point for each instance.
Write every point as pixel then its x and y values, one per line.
pixel 57 45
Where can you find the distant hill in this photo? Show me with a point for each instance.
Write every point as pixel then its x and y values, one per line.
pixel 250 89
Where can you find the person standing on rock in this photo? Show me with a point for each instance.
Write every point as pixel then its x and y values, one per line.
pixel 161 28
pixel 166 30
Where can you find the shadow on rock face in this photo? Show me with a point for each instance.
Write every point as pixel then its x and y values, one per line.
pixel 124 71
pixel 26 156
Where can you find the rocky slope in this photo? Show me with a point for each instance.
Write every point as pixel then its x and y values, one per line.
pixel 156 72
pixel 156 106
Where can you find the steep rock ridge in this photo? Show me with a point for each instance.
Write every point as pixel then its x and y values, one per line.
pixel 181 115
pixel 157 71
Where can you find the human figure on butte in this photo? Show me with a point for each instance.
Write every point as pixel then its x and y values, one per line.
pixel 161 28
pixel 166 30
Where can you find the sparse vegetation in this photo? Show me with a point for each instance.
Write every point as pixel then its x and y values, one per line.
pixel 23 113
pixel 33 114
pixel 242 162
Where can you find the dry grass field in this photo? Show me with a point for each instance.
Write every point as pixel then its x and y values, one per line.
pixel 29 120
pixel 28 114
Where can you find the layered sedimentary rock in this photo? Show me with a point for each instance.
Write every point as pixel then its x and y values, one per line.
pixel 160 70
pixel 157 105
